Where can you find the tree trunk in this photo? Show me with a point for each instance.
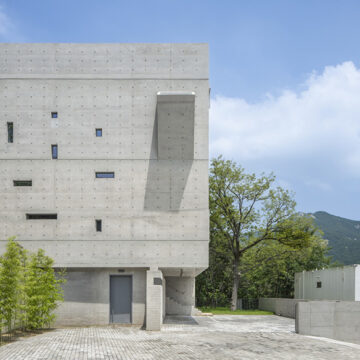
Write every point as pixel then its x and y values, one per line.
pixel 236 280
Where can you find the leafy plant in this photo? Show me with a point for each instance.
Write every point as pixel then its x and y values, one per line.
pixel 42 291
pixel 11 280
pixel 30 290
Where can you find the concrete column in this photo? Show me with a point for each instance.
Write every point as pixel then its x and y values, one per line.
pixel 154 299
pixel 164 299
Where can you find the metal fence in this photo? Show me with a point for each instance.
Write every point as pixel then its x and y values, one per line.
pixel 248 304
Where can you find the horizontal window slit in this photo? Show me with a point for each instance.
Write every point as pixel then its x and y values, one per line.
pixel 22 182
pixel 108 175
pixel 41 216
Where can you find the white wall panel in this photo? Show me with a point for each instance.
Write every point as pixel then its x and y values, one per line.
pixel 340 283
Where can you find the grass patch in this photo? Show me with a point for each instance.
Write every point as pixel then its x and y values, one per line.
pixel 227 311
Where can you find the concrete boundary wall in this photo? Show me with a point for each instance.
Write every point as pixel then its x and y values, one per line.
pixel 339 320
pixel 279 306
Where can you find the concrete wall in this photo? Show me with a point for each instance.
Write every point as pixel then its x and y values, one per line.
pixel 340 283
pixel 156 207
pixel 357 283
pixel 175 125
pixel 152 103
pixel 87 297
pixel 105 61
pixel 180 295
pixel 332 319
pixel 279 306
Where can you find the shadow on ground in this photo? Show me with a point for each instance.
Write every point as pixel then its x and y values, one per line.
pixel 180 320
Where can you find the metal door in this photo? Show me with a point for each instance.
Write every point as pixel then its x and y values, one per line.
pixel 120 299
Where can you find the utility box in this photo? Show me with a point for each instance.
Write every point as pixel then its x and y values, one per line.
pixel 339 283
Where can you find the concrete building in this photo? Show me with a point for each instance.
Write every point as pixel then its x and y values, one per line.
pixel 104 165
pixel 340 283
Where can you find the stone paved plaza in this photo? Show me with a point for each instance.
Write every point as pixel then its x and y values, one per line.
pixel 217 337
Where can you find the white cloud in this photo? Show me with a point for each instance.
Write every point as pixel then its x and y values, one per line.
pixel 320 124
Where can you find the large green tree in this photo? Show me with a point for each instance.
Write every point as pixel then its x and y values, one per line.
pixel 247 211
pixel 267 270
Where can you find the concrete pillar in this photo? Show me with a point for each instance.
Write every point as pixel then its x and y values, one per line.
pixel 164 299
pixel 154 299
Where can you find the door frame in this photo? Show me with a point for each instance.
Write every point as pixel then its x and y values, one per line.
pixel 131 296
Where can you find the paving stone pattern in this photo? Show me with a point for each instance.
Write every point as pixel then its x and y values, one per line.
pixel 210 338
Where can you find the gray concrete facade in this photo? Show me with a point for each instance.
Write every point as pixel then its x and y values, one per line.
pixel 151 103
pixel 87 294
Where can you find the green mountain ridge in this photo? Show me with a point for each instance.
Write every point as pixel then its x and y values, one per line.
pixel 343 236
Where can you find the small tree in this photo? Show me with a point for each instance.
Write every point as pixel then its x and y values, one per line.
pixel 42 291
pixel 11 279
pixel 246 210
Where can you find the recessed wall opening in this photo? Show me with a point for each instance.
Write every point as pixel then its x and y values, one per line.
pixel 54 151
pixel 10 130
pixel 318 284
pixel 105 175
pixel 54 114
pixel 41 216
pixel 98 132
pixel 98 224
pixel 22 182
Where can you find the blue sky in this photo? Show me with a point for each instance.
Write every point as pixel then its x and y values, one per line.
pixel 285 77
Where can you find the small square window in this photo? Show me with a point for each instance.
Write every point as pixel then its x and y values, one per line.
pixel 318 284
pixel 98 224
pixel 54 115
pixel 98 132
pixel 54 151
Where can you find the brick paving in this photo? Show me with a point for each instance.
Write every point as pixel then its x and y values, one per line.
pixel 210 338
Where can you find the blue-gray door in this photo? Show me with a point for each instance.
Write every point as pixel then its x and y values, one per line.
pixel 120 299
